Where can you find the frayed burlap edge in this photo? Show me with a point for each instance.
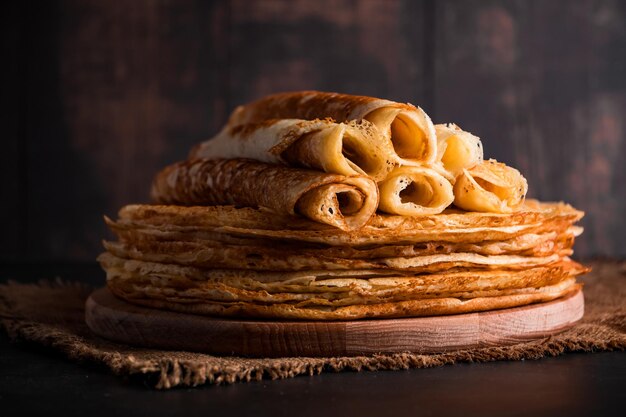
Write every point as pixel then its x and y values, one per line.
pixel 52 314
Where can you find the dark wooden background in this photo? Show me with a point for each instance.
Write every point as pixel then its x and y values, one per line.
pixel 98 95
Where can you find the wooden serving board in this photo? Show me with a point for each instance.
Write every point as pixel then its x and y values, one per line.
pixel 117 320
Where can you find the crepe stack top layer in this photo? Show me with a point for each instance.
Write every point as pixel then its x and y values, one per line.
pixel 324 206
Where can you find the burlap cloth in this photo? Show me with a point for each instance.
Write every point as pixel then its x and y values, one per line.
pixel 51 314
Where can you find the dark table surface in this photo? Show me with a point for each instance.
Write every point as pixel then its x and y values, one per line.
pixel 34 380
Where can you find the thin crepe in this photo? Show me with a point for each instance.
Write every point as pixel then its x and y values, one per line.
pixel 213 285
pixel 408 127
pixel 415 191
pixel 456 149
pixel 272 286
pixel 450 226
pixel 409 308
pixel 344 202
pixel 353 148
pixel 305 296
pixel 145 237
pixel 490 186
pixel 195 254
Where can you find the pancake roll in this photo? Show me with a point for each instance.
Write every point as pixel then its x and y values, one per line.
pixel 456 149
pixel 340 201
pixel 353 148
pixel 414 191
pixel 490 186
pixel 409 128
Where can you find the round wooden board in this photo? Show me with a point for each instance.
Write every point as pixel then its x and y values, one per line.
pixel 117 320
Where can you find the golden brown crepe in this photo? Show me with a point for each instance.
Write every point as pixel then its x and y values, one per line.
pixel 188 259
pixel 258 258
pixel 450 226
pixel 347 286
pixel 415 191
pixel 340 201
pixel 198 248
pixel 456 149
pixel 408 308
pixel 354 148
pixel 311 296
pixel 222 252
pixel 490 186
pixel 408 127
pixel 339 287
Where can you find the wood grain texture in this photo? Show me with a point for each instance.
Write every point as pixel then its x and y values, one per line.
pixel 62 188
pixel 369 47
pixel 126 88
pixel 100 95
pixel 117 320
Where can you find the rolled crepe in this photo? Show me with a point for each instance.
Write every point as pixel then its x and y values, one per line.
pixel 415 191
pixel 408 127
pixel 338 200
pixel 490 186
pixel 456 149
pixel 354 148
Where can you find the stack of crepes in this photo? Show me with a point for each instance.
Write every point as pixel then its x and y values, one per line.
pixel 324 206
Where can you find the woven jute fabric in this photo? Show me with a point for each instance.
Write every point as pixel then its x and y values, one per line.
pixel 52 314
